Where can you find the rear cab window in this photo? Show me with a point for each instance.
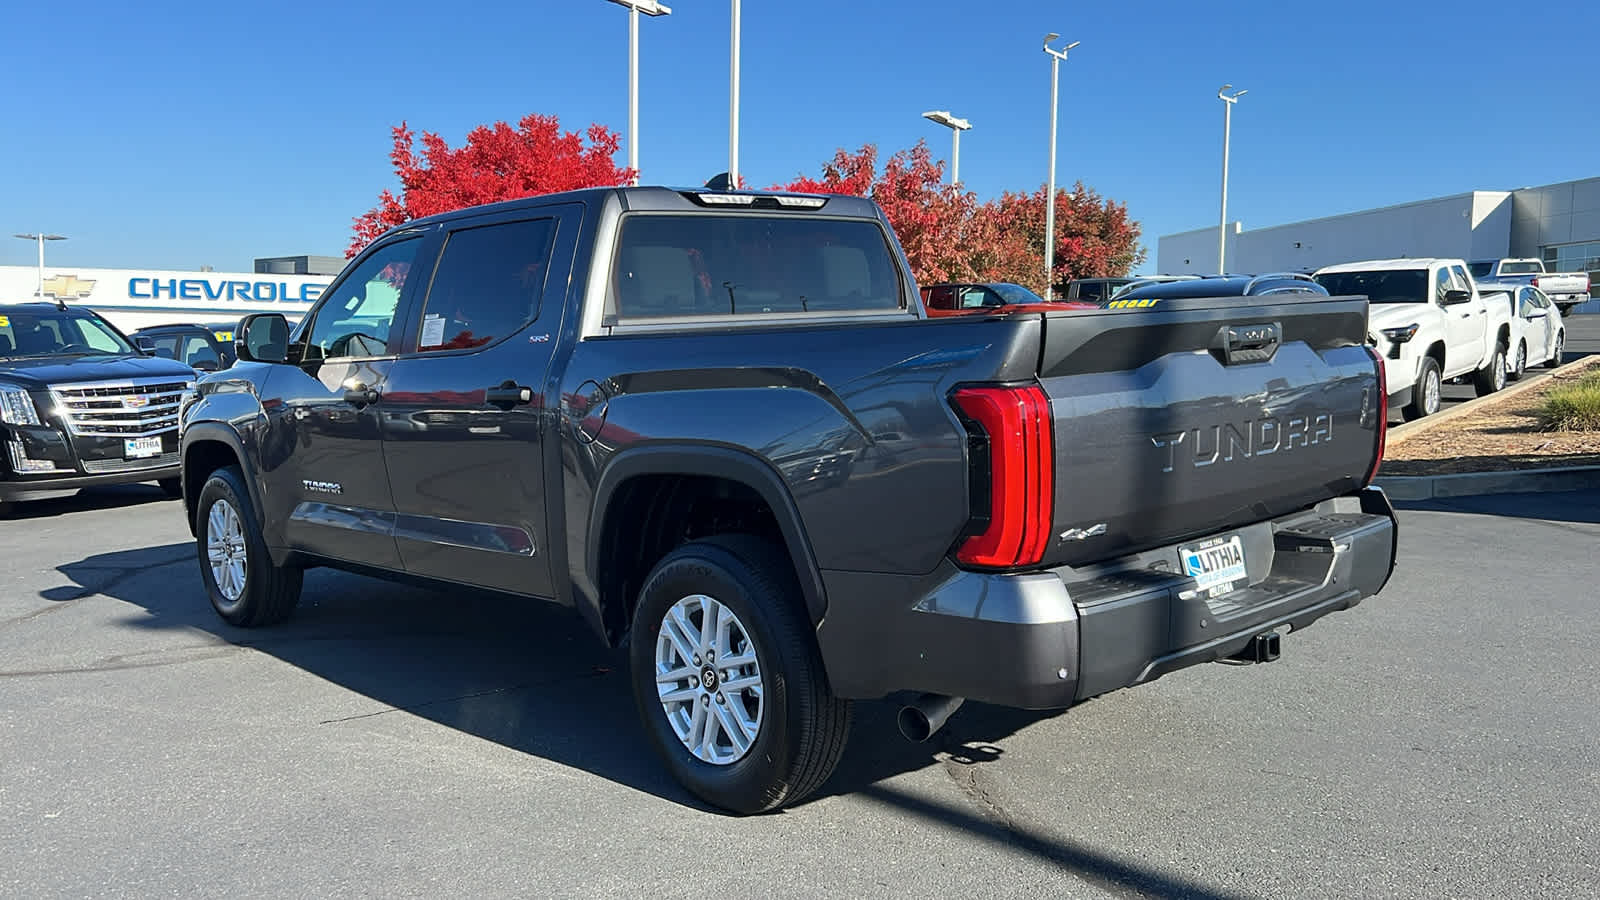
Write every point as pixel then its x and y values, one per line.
pixel 674 266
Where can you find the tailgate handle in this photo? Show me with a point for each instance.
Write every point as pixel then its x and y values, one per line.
pixel 1250 343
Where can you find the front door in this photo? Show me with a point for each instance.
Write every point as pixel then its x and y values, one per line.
pixel 464 415
pixel 322 449
pixel 1537 311
pixel 1464 325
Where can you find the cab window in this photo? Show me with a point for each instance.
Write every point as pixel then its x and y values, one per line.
pixel 356 318
pixel 487 284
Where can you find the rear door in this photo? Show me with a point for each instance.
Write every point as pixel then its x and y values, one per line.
pixel 463 419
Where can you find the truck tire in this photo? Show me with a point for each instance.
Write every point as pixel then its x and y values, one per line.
pixel 1554 362
pixel 1492 377
pixel 777 734
pixel 1426 393
pixel 172 487
pixel 245 587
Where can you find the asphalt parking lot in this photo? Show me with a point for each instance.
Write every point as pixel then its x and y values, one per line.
pixel 1583 339
pixel 1439 740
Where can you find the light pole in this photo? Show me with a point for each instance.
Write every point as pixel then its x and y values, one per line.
pixel 956 126
pixel 1056 56
pixel 1227 129
pixel 733 104
pixel 41 237
pixel 635 7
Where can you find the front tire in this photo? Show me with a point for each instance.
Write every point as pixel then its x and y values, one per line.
pixel 1427 394
pixel 1492 377
pixel 727 678
pixel 1521 364
pixel 245 587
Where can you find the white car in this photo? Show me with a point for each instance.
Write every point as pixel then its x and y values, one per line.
pixel 1429 321
pixel 1538 330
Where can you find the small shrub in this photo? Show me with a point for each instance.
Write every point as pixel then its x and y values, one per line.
pixel 1573 407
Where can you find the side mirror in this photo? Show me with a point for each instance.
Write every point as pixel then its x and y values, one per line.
pixel 205 365
pixel 1456 296
pixel 263 337
pixel 145 345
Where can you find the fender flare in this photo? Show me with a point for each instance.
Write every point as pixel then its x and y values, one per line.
pixel 715 462
pixel 221 433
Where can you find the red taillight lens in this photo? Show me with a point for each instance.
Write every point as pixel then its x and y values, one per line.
pixel 1020 476
pixel 1535 281
pixel 1383 412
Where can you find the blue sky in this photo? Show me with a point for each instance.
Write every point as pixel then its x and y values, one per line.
pixel 178 135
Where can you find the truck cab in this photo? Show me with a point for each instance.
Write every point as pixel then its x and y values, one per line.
pixel 1431 323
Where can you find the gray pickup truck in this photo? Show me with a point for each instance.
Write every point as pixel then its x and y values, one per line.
pixel 722 429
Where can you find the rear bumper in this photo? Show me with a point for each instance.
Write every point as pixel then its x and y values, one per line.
pixel 1050 639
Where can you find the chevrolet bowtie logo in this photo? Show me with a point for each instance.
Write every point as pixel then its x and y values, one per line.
pixel 67 287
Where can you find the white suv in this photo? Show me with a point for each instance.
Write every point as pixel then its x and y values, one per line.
pixel 1430 323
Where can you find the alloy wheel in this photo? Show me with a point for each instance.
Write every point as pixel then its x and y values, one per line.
pixel 708 679
pixel 225 550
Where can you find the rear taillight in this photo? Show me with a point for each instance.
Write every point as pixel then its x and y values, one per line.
pixel 1383 413
pixel 1014 465
pixel 1535 281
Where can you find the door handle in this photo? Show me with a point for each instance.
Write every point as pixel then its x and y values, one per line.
pixel 360 396
pixel 507 395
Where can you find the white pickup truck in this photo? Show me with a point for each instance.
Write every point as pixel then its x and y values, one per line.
pixel 1430 323
pixel 1565 289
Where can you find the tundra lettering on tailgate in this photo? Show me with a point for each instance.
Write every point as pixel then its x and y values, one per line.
pixel 1243 440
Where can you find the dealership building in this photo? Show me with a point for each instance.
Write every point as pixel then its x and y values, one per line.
pixel 1558 223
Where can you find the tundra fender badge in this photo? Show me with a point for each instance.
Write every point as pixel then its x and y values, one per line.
pixel 1083 534
pixel 322 487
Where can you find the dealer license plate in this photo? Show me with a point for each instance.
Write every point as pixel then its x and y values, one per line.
pixel 141 448
pixel 1214 563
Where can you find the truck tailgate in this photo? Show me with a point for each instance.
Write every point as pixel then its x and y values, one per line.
pixel 1196 416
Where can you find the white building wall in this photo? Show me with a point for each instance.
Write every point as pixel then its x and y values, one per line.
pixel 1469 226
pixel 137 298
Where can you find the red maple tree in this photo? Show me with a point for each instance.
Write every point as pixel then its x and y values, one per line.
pixel 497 162
pixel 949 236
pixel 1094 238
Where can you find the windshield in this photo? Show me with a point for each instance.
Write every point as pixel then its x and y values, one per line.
pixel 1521 268
pixel 1404 286
pixel 1014 294
pixel 65 333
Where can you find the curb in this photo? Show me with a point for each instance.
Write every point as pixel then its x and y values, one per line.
pixel 1398 433
pixel 1526 481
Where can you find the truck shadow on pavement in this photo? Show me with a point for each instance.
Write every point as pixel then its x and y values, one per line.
pixel 531 677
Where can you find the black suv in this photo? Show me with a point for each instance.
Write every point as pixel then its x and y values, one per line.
pixel 81 406
pixel 199 347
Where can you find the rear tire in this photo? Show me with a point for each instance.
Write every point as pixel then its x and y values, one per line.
pixel 1554 362
pixel 245 587
pixel 1521 364
pixel 1492 377
pixel 1426 394
pixel 799 727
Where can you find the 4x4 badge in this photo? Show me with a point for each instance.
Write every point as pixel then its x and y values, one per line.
pixel 1083 534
